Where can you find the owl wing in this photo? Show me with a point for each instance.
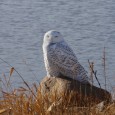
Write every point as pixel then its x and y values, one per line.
pixel 62 56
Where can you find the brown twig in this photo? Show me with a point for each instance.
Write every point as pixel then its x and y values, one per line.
pixel 95 73
pixel 104 67
pixel 20 77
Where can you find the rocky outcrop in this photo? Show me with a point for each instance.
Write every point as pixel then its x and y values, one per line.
pixel 68 92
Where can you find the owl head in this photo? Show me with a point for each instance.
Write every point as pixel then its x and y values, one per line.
pixel 52 36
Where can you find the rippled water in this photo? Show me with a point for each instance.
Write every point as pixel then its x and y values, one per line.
pixel 87 26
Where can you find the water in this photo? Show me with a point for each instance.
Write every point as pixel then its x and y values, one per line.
pixel 86 25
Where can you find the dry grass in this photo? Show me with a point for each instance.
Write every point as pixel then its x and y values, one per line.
pixel 20 103
pixel 28 101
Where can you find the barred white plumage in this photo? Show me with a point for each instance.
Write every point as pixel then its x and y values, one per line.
pixel 59 58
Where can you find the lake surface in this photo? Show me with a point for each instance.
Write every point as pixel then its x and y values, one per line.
pixel 87 25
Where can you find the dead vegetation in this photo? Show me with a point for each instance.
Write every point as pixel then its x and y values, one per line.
pixel 29 101
pixel 22 102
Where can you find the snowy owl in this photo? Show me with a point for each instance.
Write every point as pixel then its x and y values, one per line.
pixel 60 59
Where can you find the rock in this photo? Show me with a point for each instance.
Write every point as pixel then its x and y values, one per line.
pixel 56 91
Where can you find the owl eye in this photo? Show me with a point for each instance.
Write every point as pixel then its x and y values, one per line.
pixel 47 36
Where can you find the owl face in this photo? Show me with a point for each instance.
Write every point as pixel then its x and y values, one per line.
pixel 53 37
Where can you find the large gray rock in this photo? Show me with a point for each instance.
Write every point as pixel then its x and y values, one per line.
pixel 69 92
